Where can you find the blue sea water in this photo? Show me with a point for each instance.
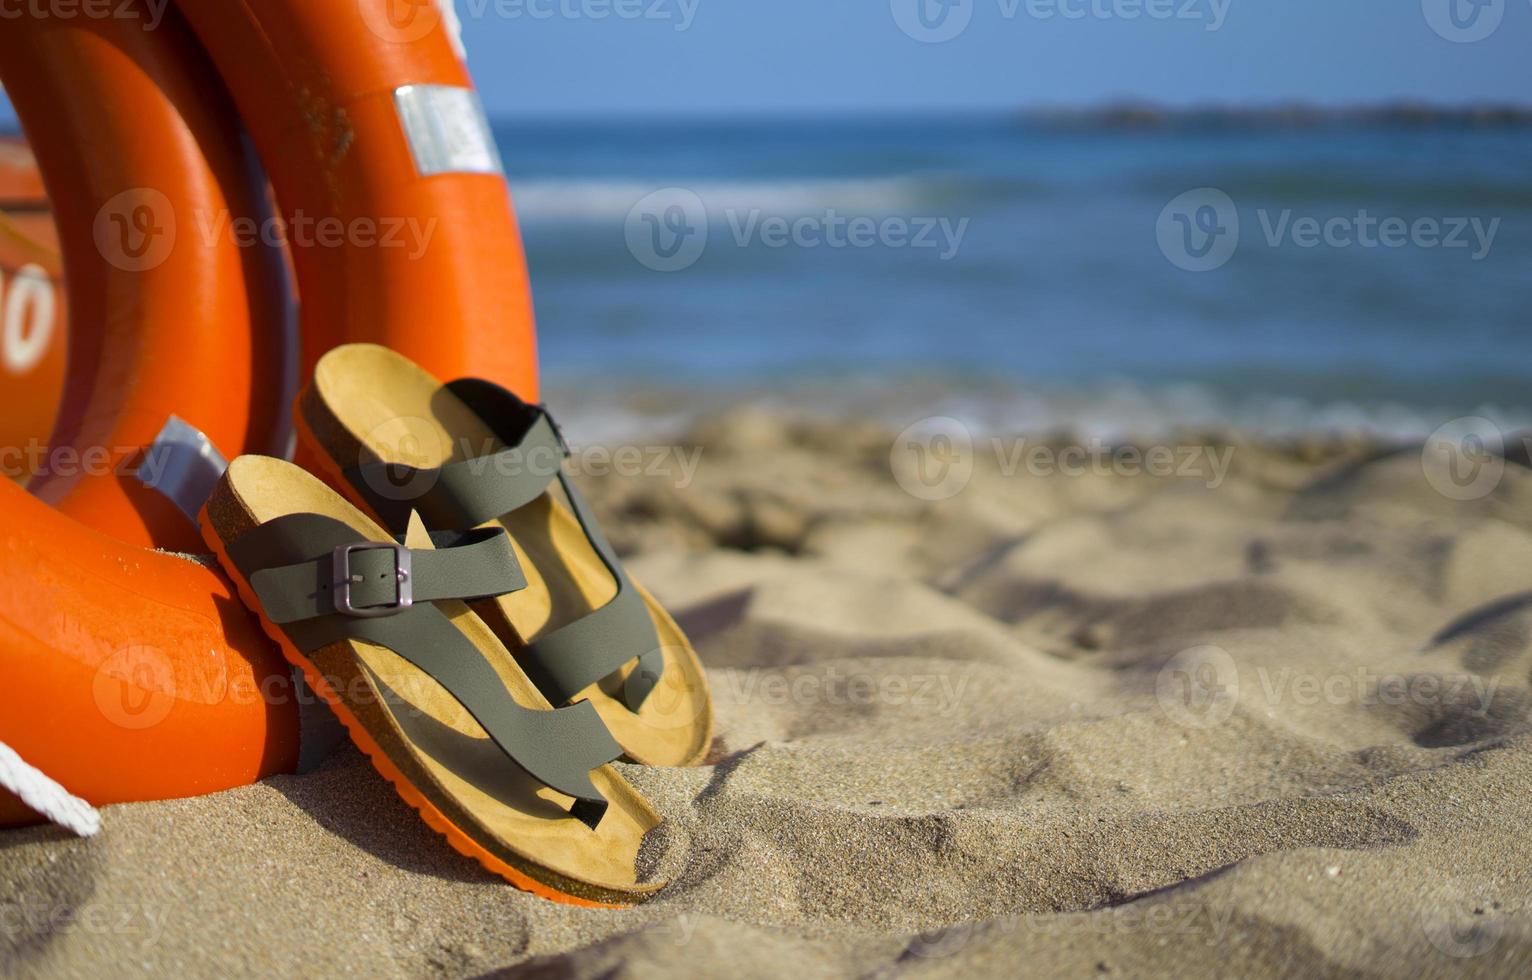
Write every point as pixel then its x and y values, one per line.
pixel 1049 287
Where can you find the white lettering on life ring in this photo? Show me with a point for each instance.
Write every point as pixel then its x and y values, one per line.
pixel 26 321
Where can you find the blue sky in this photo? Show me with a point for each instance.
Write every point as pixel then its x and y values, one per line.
pixel 795 55
pixel 660 56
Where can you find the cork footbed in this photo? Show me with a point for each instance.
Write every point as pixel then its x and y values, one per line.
pixel 367 403
pixel 424 742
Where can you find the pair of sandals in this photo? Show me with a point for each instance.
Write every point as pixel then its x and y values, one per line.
pixel 462 613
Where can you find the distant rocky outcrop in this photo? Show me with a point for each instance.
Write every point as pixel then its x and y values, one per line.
pixel 1138 115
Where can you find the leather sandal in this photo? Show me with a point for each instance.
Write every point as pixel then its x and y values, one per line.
pixel 470 454
pixel 383 633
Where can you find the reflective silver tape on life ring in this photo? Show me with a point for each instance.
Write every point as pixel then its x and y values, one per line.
pixel 447 130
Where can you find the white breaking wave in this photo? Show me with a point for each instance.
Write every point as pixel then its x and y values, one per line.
pixel 1107 411
pixel 600 200
pixel 1124 412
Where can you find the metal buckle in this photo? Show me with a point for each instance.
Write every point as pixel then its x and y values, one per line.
pixel 341 563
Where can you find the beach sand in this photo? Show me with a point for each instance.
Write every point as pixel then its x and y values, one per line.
pixel 1265 716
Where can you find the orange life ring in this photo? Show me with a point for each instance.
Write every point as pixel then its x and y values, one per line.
pixel 366 120
pixel 353 117
pixel 108 649
pixel 131 674
pixel 133 137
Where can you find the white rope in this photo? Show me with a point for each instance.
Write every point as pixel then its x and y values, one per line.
pixel 45 796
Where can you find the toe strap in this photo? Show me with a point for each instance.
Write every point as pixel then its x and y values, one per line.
pixel 573 657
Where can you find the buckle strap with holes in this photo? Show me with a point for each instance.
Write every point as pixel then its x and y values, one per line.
pixel 345 579
pixel 370 579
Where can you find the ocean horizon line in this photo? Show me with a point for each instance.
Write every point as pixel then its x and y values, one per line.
pixel 1108 115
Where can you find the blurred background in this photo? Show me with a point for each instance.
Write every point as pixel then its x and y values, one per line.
pixel 1117 214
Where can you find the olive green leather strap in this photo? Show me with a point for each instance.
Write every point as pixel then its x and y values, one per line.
pixel 470 492
pixel 567 660
pixel 556 747
pixel 369 577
